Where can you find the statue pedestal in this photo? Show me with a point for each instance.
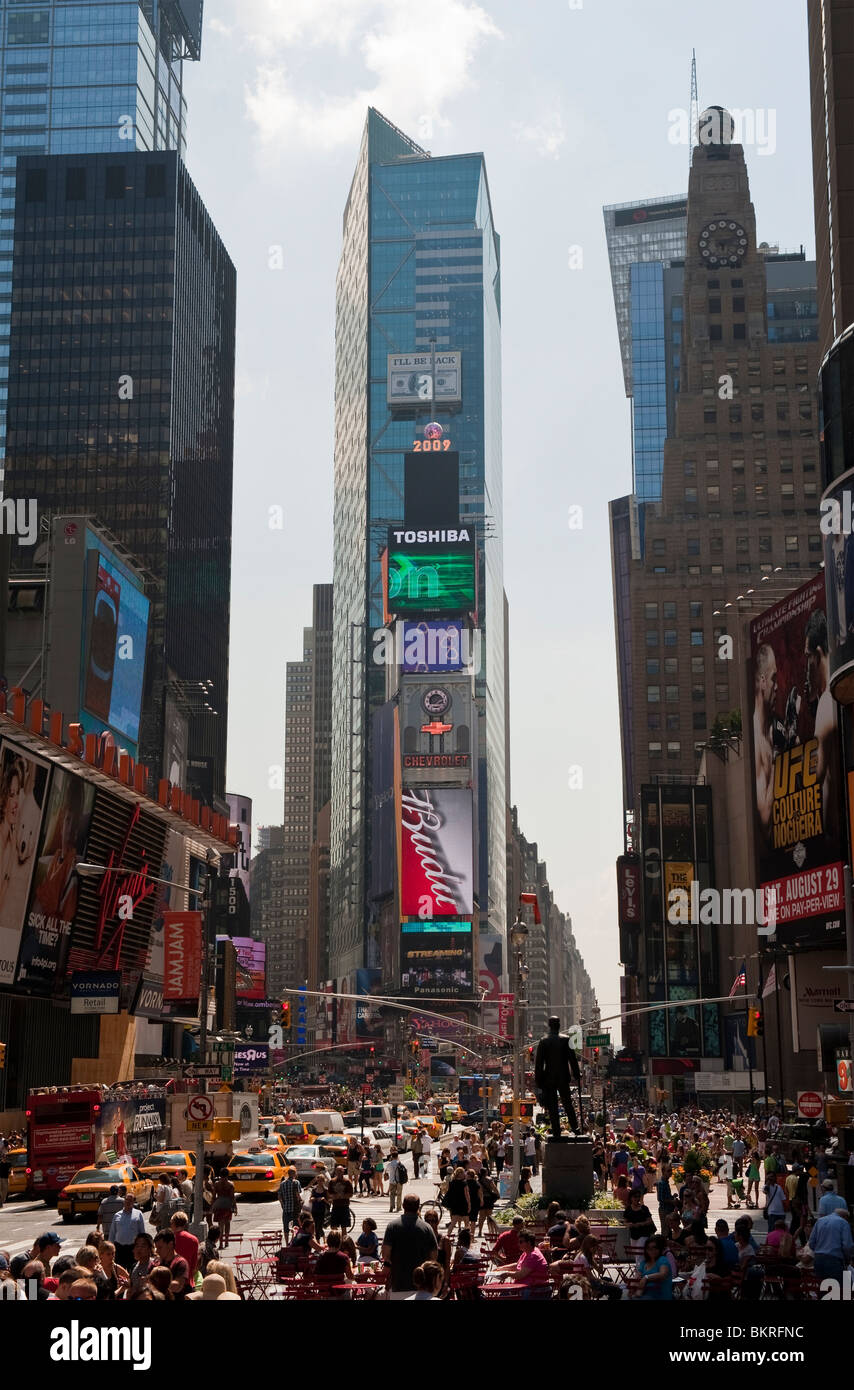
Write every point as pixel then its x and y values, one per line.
pixel 568 1172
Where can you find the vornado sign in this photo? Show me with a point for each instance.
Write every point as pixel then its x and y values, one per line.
pixel 436 852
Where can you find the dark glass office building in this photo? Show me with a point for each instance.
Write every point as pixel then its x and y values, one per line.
pixel 121 399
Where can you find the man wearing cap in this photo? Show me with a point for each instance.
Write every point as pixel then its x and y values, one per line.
pixel 830 1199
pixel 44 1250
pixel 125 1226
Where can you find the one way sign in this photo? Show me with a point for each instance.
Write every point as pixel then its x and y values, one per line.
pixel 843 1006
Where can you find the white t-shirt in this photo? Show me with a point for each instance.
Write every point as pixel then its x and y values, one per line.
pixel 530 1146
pixel 426 1143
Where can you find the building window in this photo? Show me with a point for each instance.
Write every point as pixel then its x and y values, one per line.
pixel 738 304
pixel 696 610
pixel 710 416
pixel 711 465
pixel 693 569
pixel 654 750
pixel 659 547
pixel 671 694
pixel 791 543
pixel 716 333
pixel 698 719
pixel 715 304
pixel 693 545
pixel 757 411
pixel 716 545
pixel 674 749
pixel 668 610
pixel 742 543
pixel 690 494
pixel 671 665
pixel 670 637
pixel 765 545
pixel 698 692
pixel 696 637
pixel 652 666
pixel 653 722
pixel 698 664
pixel 739 492
pixel 650 611
pixel 155 180
pixel 115 181
pixel 651 637
pixel 653 694
pixel 689 467
pixel 721 692
pixel 739 331
pixel 713 493
pixel 735 414
pixel 75 185
pixel 673 723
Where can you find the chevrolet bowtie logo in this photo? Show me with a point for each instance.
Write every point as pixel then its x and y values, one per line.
pixel 436 728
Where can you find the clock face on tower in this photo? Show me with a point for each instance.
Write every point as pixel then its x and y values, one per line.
pixel 723 243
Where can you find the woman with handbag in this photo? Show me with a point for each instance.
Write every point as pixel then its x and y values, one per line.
pixel 224 1207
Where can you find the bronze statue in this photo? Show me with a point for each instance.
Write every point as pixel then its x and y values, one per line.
pixel 555 1059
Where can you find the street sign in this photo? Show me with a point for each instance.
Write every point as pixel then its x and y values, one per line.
pixel 843 1006
pixel 598 1040
pixel 199 1126
pixel 844 1076
pixel 221 1045
pixel 810 1105
pixel 396 1095
pixel 365 1088
pixel 226 1073
pixel 200 1109
pixel 191 1070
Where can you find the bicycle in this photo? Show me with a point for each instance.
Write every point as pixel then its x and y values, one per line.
pixel 335 1223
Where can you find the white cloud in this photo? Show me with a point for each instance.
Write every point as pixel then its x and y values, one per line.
pixel 546 136
pixel 406 58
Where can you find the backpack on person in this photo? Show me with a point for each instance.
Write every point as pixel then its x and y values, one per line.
pixel 402 1173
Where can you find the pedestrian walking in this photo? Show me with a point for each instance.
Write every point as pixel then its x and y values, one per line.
pixel 317 1195
pixel 290 1200
pixel 407 1243
pixel 354 1159
pixel 426 1150
pixel 395 1175
pixel 224 1207
pixel 457 1200
pixel 530 1150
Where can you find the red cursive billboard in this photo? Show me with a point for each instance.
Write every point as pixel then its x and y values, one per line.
pixel 437 871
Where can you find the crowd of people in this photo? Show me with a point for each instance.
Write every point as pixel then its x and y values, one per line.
pixel 167 1265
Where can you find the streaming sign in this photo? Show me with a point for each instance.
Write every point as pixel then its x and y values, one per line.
pixel 436 959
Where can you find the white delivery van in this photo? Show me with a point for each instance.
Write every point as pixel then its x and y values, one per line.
pixel 324 1121
pixel 378 1116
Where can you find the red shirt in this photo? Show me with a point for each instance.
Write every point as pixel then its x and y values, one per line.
pixel 507 1247
pixel 187 1247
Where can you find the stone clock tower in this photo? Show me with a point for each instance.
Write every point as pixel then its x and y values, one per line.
pixel 721 243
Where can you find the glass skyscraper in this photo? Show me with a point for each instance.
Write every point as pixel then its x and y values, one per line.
pixel 121 406
pixel 86 76
pixel 420 267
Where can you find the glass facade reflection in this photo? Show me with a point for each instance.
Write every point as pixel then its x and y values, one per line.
pixel 678 958
pixel 419 265
pixel 121 398
pixel 86 76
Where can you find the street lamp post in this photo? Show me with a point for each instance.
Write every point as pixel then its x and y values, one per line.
pixel 518 939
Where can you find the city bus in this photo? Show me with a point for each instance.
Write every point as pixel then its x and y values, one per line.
pixel 72 1127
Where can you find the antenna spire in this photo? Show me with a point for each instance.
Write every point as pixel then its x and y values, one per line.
pixel 695 108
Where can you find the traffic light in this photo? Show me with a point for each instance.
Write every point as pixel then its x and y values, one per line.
pixel 596 1053
pixel 2 1056
pixel 755 1024
pixel 286 1015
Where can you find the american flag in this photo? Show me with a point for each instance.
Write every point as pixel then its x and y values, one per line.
pixel 740 982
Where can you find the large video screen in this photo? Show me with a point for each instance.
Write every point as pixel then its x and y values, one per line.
pixel 115 641
pixel 436 959
pixel 437 871
pixel 797 768
pixel 429 578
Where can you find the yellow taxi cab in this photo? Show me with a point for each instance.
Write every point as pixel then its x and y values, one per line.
pixel 82 1195
pixel 169 1161
pixel 295 1132
pixel 333 1145
pixel 18 1175
pixel 256 1171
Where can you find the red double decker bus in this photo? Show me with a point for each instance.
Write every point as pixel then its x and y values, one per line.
pixel 72 1127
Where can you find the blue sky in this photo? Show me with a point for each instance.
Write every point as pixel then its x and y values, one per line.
pixel 572 105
